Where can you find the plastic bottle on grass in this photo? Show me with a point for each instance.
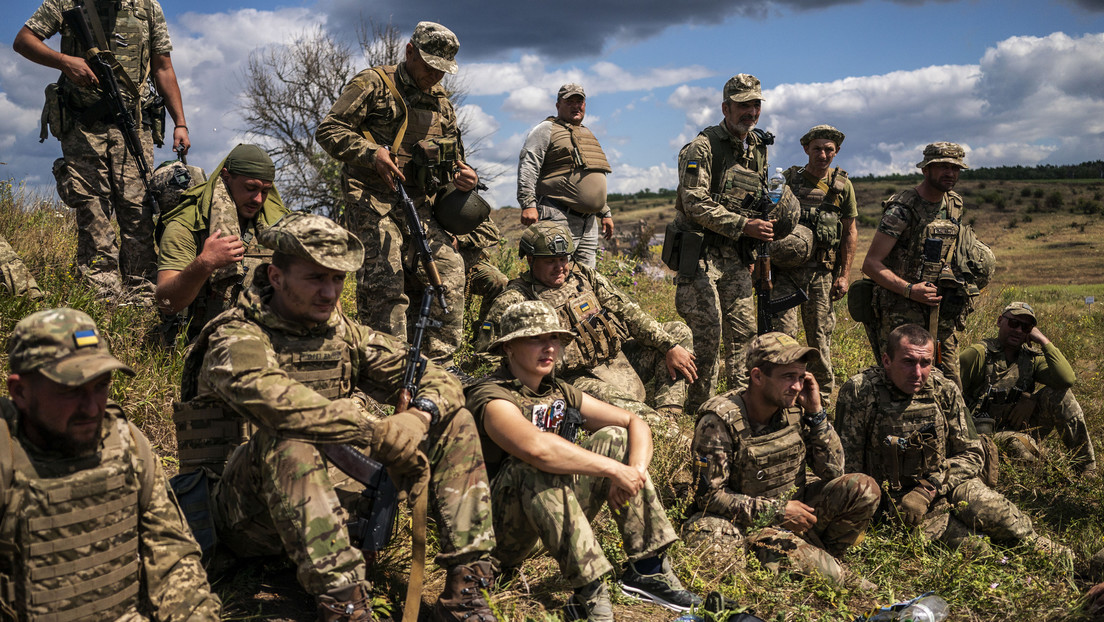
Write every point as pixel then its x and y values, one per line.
pixel 927 609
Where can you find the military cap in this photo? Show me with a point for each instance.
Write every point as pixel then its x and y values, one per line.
pixel 780 349
pixel 529 318
pixel 437 44
pixel 62 345
pixel 826 132
pixel 251 161
pixel 1021 310
pixel 546 239
pixel 570 89
pixel 314 238
pixel 742 87
pixel 950 153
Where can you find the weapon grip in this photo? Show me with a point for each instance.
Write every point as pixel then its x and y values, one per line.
pixel 404 400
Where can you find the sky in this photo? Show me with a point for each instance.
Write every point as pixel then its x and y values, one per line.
pixel 1015 82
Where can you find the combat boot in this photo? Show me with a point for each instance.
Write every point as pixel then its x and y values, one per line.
pixel 462 599
pixel 591 603
pixel 348 603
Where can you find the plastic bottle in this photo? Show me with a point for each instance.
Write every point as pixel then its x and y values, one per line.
pixel 927 609
pixel 775 185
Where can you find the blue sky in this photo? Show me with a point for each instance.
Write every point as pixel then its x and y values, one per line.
pixel 1016 82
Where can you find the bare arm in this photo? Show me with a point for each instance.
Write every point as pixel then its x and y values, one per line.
pixel 34 49
pixel 177 289
pixel 164 76
pixel 875 268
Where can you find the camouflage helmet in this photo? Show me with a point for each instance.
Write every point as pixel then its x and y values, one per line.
pixel 786 213
pixel 529 318
pixel 314 238
pixel 63 345
pixel 171 179
pixel 460 212
pixel 793 250
pixel 546 239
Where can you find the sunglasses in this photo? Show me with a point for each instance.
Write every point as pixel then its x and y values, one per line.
pixel 1019 325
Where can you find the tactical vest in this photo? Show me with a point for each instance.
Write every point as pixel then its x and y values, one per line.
pixel 944 226
pixel 69 544
pixel 1008 385
pixel 127 26
pixel 546 412
pixel 598 333
pixel 574 168
pixel 733 178
pixel 821 207
pixel 904 449
pixel 768 465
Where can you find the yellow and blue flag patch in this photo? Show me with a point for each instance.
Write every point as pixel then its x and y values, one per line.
pixel 85 338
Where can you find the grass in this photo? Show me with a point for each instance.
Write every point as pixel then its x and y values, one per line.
pixel 1007 583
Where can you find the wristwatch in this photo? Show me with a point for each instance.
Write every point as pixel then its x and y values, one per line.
pixel 425 405
pixel 814 419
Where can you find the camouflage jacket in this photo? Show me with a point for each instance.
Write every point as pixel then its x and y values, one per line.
pixel 716 450
pixel 241 369
pixel 862 412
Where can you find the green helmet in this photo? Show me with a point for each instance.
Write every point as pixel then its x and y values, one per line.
pixel 794 250
pixel 460 212
pixel 546 239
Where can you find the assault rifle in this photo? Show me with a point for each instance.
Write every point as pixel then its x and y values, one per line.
pixel 765 308
pixel 102 61
pixel 930 268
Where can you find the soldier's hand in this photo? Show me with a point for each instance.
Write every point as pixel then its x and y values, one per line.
pixel 529 216
pixel 914 505
pixel 465 177
pixel 681 361
pixel 798 517
pixel 625 482
pixel 1037 336
pixel 839 287
pixel 395 440
pixel 607 228
pixel 76 69
pixel 221 251
pixel 182 141
pixel 809 397
pixel 760 229
pixel 386 168
pixel 925 293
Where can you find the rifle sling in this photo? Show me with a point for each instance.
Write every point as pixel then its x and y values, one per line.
pixel 402 104
pixel 102 48
pixel 418 549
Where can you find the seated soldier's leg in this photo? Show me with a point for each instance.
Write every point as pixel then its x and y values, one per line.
pixel 1017 446
pixel 459 491
pixel 989 512
pixel 607 391
pixel 669 394
pixel 845 506
pixel 778 549
pixel 1061 410
pixel 697 302
pixel 716 539
pixel 14 275
pixel 486 281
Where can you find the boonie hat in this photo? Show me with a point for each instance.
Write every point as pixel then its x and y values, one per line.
pixel 314 238
pixel 826 132
pixel 780 349
pixel 570 89
pixel 950 153
pixel 742 87
pixel 62 345
pixel 1020 309
pixel 528 319
pixel 437 44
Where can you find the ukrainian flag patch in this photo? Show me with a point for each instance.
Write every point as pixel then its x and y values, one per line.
pixel 85 338
pixel 486 326
pixel 692 165
pixel 584 306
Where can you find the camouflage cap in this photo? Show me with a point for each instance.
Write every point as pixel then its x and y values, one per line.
pixel 528 319
pixel 437 44
pixel 314 238
pixel 742 87
pixel 62 345
pixel 546 238
pixel 826 132
pixel 780 349
pixel 570 89
pixel 1021 310
pixel 951 153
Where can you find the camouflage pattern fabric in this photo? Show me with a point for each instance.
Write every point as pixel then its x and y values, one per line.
pixel 533 508
pixel 14 276
pixel 1054 410
pixel 817 315
pixel 484 278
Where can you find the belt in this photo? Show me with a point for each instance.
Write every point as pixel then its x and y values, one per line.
pixel 564 208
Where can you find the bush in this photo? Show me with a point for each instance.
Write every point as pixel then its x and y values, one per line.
pixel 1054 201
pixel 1025 192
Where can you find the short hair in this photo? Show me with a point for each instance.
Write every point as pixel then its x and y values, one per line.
pixel 283 260
pixel 913 333
pixel 767 367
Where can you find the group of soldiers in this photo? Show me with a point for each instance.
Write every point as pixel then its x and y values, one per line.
pixel 278 377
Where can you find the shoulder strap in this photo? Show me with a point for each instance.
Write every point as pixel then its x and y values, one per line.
pixel 145 457
pixel 390 84
pixel 105 47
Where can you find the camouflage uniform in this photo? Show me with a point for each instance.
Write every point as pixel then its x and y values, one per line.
pixel 365 119
pixel 618 379
pixel 97 177
pixel 947 459
pixel 14 276
pixel 91 534
pixel 484 278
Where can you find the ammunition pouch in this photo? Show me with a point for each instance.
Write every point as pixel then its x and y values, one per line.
pixel 860 301
pixel 598 334
pixel 205 436
pixel 682 249
pixel 194 494
pixel 55 118
pixel 153 117
pixel 433 160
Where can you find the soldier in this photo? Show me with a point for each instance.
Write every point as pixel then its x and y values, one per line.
pixel 404 109
pixel 905 424
pixel 721 172
pixel 547 485
pixel 287 360
pixel 14 276
pixel 999 377
pixel 909 287
pixel 97 177
pixel 89 527
pixel 776 426
pixel 828 212
pixel 562 175
pixel 208 242
pixel 603 319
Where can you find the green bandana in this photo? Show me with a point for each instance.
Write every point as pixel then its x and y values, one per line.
pixel 251 161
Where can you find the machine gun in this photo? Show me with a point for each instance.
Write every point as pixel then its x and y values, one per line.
pixel 102 63
pixel 765 308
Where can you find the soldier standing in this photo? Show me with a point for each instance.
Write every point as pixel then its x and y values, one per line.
pixel 290 362
pixel 89 526
pixel 402 108
pixel 562 175
pixel 97 177
pixel 776 427
pixel 999 377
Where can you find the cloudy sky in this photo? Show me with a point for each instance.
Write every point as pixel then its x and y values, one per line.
pixel 1015 81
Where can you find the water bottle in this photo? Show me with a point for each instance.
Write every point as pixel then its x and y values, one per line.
pixel 775 185
pixel 927 609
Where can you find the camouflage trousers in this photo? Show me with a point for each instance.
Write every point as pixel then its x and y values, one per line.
pixel 486 281
pixel 651 366
pixel 281 496
pixel 96 178
pixel 391 283
pixel 894 310
pixel 718 304
pixel 817 315
pixel 971 508
pixel 585 230
pixel 14 276
pixel 532 507
pixel 844 506
pixel 1053 410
